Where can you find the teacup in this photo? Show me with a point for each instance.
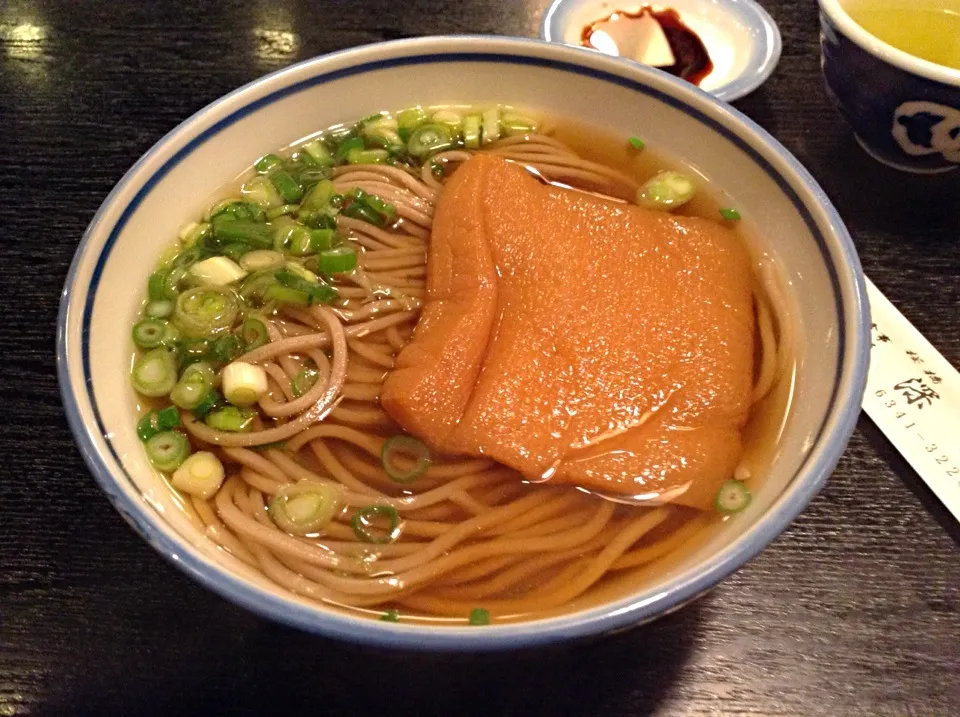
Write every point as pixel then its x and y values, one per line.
pixel 904 111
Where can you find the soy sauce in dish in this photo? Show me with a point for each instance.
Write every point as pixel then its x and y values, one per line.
pixel 622 33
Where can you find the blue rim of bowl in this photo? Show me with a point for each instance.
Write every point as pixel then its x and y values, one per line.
pixel 841 415
pixel 763 59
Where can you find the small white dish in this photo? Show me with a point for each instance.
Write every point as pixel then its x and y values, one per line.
pixel 741 38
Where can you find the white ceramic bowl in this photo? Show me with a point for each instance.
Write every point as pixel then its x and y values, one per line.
pixel 173 182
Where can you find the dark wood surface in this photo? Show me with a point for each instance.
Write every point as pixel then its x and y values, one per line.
pixel 855 610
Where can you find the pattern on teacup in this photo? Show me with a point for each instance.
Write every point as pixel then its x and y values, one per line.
pixel 925 128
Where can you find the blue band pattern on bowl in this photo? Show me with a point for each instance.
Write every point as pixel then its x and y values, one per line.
pixel 610 617
pixel 902 119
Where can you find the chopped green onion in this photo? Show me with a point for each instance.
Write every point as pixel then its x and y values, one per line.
pixel 155 373
pixel 337 260
pixel 205 311
pixel 666 191
pixel 207 404
pixel 231 418
pixel 303 381
pixel 346 146
pixel 200 475
pixel 168 418
pixel 187 257
pixel 356 210
pixel 403 449
pixel 254 334
pixel 200 371
pixel 367 156
pixel 471 131
pixel 302 241
pixel 479 616
pixel 167 450
pixel 730 214
pixel 194 386
pixel 243 383
pixel 732 497
pixel 148 334
pixel 390 616
pixel 370 208
pixel 381 132
pixel 318 152
pixel 256 234
pixel 172 283
pixel 637 143
pixel 318 197
pixel 313 292
pixel 155 286
pixel 227 348
pixel 147 426
pixel 412 118
pixel 490 131
pixel 193 233
pixel 217 271
pixel 449 118
pixel 253 289
pixel 512 124
pixel 261 193
pixel 193 350
pixel 429 139
pixel 302 271
pixel 171 336
pixel 305 507
pixel 286 295
pixel 282 210
pixel 159 309
pixel 261 259
pixel 267 163
pixel 157 421
pixel 238 209
pixel 288 187
pixel 189 393
pixel 363 521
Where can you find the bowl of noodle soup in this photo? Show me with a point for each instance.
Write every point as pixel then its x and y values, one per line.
pixel 273 256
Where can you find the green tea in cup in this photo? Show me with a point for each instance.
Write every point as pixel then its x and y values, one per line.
pixel 927 29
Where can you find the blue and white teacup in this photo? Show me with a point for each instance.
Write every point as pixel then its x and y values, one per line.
pixel 904 111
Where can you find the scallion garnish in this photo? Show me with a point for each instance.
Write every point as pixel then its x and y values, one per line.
pixel 227 348
pixel 479 616
pixel 637 143
pixel 159 309
pixel 390 616
pixel 155 373
pixel 666 191
pixel 231 419
pixel 305 507
pixel 148 334
pixel 167 450
pixel 364 518
pixel 254 334
pixel 732 497
pixel 429 139
pixel 730 214
pixel 337 260
pixel 206 311
pixel 209 401
pixel 303 381
pixel 404 458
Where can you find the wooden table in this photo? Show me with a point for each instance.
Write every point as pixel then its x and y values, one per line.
pixel 855 610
